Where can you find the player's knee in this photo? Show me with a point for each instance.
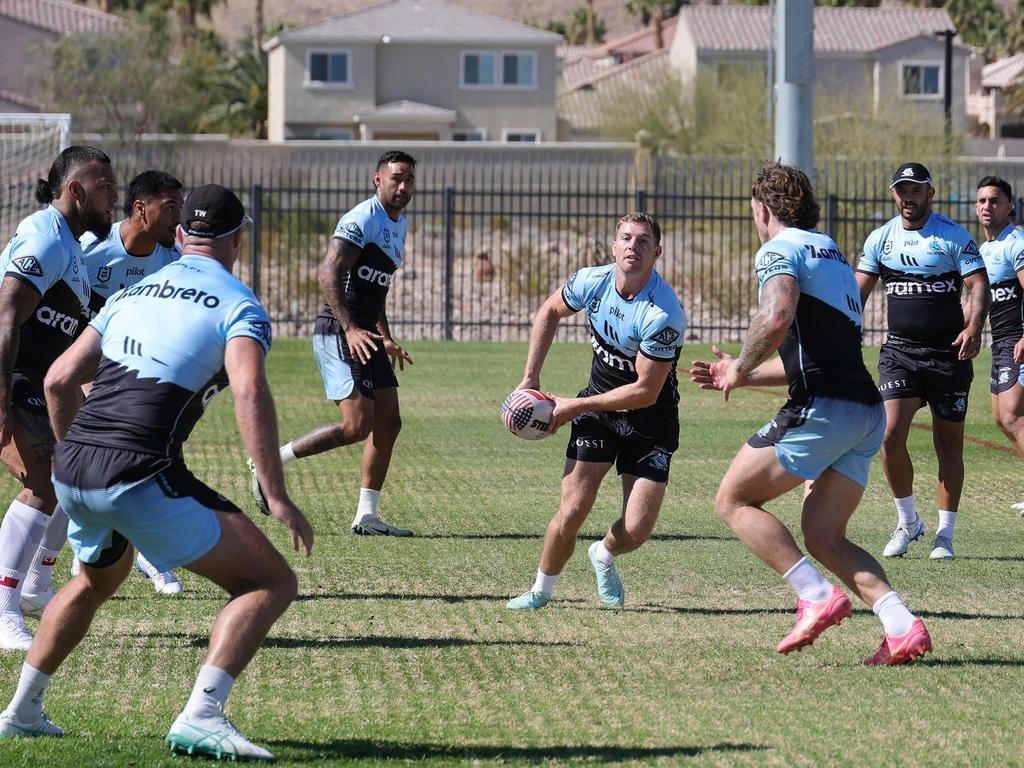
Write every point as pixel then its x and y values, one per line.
pixel 820 543
pixel 286 587
pixel 725 506
pixel 1011 423
pixel 358 430
pixel 570 519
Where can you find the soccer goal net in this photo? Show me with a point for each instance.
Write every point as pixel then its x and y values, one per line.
pixel 28 145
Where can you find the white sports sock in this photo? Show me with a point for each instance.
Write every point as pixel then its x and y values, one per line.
pixel 40 573
pixel 601 553
pixel 20 533
pixel 544 583
pixel 947 520
pixel 896 619
pixel 210 693
pixel 807 582
pixel 368 501
pixel 906 510
pixel 287 455
pixel 27 703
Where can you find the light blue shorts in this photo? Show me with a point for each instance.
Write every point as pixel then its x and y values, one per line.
pixel 825 434
pixel 170 518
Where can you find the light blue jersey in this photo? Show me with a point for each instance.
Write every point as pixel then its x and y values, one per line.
pixel 1004 260
pixel 112 268
pixel 650 324
pixel 923 271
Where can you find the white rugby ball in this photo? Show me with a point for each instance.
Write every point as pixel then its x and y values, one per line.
pixel 527 414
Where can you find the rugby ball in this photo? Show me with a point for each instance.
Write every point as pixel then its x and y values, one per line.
pixel 527 414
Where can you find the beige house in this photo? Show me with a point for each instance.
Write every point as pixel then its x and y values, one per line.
pixel 873 58
pixel 413 70
pixel 25 27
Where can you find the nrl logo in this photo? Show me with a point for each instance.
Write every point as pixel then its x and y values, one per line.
pixel 104 274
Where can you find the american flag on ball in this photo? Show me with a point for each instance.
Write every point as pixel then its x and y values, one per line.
pixel 527 414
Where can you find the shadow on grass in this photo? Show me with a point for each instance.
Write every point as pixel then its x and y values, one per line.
pixel 699 611
pixel 960 615
pixel 367 641
pixel 470 598
pixel 512 536
pixel 982 662
pixel 311 751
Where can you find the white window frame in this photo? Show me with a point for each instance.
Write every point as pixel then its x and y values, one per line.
pixel 904 65
pixel 498 71
pixel 481 131
pixel 309 83
pixel 536 135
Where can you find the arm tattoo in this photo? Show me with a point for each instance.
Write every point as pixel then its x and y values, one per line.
pixel 979 302
pixel 779 295
pixel 341 257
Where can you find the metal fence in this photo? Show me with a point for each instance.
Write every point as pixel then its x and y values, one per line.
pixel 493 230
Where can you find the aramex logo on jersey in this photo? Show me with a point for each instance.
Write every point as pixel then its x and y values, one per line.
pixel 28 265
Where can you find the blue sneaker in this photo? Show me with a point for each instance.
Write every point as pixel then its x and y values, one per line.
pixel 529 600
pixel 609 585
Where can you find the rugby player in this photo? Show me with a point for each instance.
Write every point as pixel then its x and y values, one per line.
pixel 924 260
pixel 826 434
pixel 1003 253
pixel 628 416
pixel 138 246
pixel 352 340
pixel 43 296
pixel 160 351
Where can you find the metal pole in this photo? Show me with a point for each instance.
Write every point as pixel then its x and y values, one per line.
pixel 794 78
pixel 947 81
pixel 448 215
pixel 640 201
pixel 255 213
pixel 831 213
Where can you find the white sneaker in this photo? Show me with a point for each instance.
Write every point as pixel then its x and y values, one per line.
pixel 374 526
pixel 942 549
pixel 34 605
pixel 13 635
pixel 901 539
pixel 164 582
pixel 12 728
pixel 215 737
pixel 1019 506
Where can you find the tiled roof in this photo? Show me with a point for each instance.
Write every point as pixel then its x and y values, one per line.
pixel 583 105
pixel 853 30
pixel 418 21
pixel 58 16
pixel 405 110
pixel 637 43
pixel 1003 73
pixel 584 69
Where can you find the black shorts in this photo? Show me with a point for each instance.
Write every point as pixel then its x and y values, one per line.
pixel 1005 372
pixel 639 443
pixel 29 402
pixel 936 376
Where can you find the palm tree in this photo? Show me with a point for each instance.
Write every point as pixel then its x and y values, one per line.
pixel 240 90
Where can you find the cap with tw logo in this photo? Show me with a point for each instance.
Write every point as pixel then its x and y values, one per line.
pixel 213 211
pixel 915 173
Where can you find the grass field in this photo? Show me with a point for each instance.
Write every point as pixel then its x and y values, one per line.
pixel 402 651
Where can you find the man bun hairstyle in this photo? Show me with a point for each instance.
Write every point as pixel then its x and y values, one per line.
pixel 639 217
pixel 1001 184
pixel 67 162
pixel 787 192
pixel 396 156
pixel 147 185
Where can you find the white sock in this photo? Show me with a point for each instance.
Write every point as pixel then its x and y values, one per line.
pixel 210 693
pixel 896 619
pixel 287 455
pixel 368 501
pixel 20 533
pixel 544 583
pixel 40 573
pixel 947 520
pixel 600 553
pixel 27 703
pixel 906 510
pixel 807 582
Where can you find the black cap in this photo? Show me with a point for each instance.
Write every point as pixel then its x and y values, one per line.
pixel 912 172
pixel 212 211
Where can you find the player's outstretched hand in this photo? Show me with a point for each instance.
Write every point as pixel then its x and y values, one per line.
pixel 362 343
pixel 397 354
pixel 296 523
pixel 712 375
pixel 969 343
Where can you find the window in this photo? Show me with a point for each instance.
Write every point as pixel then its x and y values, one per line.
pixel 477 134
pixel 328 68
pixel 499 69
pixel 515 135
pixel 333 134
pixel 921 80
